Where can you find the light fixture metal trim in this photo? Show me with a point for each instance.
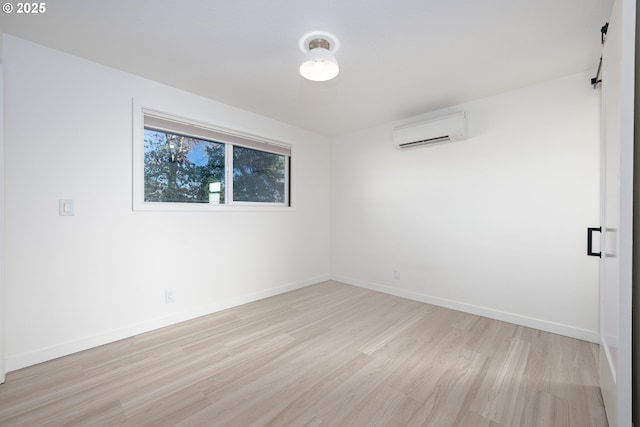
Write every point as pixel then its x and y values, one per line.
pixel 303 42
pixel 316 43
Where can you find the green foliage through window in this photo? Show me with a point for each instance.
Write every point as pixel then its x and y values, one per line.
pixel 258 176
pixel 179 168
pixel 185 169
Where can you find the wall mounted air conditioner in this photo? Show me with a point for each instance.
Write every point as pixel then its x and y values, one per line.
pixel 443 129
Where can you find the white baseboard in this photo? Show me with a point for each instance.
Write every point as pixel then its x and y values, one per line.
pixel 63 349
pixel 517 319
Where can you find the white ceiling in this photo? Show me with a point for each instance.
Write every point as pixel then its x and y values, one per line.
pixel 398 58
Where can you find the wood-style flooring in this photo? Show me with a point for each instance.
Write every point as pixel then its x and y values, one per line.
pixel 326 355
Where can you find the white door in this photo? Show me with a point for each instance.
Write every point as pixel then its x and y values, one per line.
pixel 1 224
pixel 617 213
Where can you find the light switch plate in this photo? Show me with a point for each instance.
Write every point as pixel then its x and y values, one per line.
pixel 65 207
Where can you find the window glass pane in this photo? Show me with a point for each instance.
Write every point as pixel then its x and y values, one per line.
pixel 182 169
pixel 258 176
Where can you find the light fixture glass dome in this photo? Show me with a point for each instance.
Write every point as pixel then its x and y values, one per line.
pixel 319 64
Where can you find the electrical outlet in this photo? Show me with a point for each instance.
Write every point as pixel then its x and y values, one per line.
pixel 396 274
pixel 169 296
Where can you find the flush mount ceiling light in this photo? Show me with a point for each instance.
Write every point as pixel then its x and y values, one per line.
pixel 319 63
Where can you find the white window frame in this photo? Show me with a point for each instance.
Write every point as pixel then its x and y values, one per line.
pixel 177 124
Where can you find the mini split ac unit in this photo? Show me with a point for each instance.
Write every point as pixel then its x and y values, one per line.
pixel 443 129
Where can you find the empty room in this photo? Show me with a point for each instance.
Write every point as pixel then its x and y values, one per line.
pixel 292 213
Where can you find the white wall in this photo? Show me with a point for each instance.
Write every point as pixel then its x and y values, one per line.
pixel 75 282
pixel 494 225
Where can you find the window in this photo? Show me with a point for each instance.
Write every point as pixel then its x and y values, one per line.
pixel 182 169
pixel 185 166
pixel 258 176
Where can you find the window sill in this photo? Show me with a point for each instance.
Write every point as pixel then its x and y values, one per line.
pixel 205 207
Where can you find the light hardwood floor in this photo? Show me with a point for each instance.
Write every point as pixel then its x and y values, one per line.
pixel 325 355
